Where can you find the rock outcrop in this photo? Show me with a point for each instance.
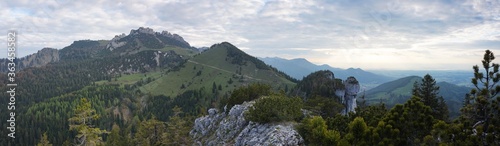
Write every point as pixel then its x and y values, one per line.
pixel 115 42
pixel 219 128
pixel 348 94
pixel 41 58
pixel 148 38
pixel 351 91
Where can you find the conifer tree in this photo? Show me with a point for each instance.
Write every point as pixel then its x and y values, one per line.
pixel 358 131
pixel 150 132
pixel 177 130
pixel 412 121
pixel 82 123
pixel 44 141
pixel 428 91
pixel 114 138
pixel 482 106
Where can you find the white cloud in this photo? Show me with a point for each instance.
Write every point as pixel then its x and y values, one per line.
pixel 367 34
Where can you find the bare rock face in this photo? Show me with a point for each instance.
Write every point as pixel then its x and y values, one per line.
pixel 233 129
pixel 41 58
pixel 351 90
pixel 164 38
pixel 269 134
pixel 115 43
pixel 175 37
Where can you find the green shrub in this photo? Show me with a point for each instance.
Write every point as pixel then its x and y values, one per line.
pixel 315 132
pixel 275 108
pixel 247 93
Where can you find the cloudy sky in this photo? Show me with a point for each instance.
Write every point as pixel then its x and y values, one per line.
pixel 418 35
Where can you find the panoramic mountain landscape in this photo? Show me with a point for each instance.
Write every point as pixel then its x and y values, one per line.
pixel 135 82
pixel 256 72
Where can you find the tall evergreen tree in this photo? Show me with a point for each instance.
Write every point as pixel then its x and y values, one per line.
pixel 114 138
pixel 44 141
pixel 82 123
pixel 150 132
pixel 482 107
pixel 428 91
pixel 177 130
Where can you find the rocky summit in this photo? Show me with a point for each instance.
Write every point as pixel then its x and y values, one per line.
pixel 219 128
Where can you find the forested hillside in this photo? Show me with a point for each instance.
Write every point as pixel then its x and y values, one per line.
pixel 129 80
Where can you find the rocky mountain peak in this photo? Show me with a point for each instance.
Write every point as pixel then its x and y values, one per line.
pixel 148 37
pixel 146 30
pixel 174 36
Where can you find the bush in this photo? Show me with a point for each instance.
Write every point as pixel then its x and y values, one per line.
pixel 247 93
pixel 315 132
pixel 275 108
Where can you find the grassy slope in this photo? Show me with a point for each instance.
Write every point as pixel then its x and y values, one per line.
pixel 131 78
pixel 214 69
pixel 401 87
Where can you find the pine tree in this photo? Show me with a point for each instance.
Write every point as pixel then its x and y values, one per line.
pixel 483 104
pixel 177 130
pixel 150 132
pixel 44 141
pixel 114 138
pixel 82 123
pixel 358 130
pixel 428 91
pixel 412 121
pixel 315 132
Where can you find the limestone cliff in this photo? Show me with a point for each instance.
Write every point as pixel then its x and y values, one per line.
pixel 219 128
pixel 351 91
pixel 41 58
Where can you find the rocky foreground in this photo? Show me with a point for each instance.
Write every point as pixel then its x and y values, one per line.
pixel 219 128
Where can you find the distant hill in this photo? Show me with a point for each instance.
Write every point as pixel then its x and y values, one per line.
pixel 299 68
pixel 398 91
pixel 457 77
pixel 222 64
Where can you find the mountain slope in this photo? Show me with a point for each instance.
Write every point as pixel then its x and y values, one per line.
pixel 398 91
pixel 222 65
pixel 51 73
pixel 299 68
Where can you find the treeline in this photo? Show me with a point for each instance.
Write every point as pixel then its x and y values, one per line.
pixel 422 120
pixel 51 116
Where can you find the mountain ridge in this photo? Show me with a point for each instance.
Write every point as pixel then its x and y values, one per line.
pixel 300 67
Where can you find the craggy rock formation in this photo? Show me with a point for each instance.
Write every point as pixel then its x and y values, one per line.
pixel 323 83
pixel 41 58
pixel 233 129
pixel 351 90
pixel 348 94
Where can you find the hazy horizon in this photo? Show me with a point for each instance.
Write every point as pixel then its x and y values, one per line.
pixel 372 35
